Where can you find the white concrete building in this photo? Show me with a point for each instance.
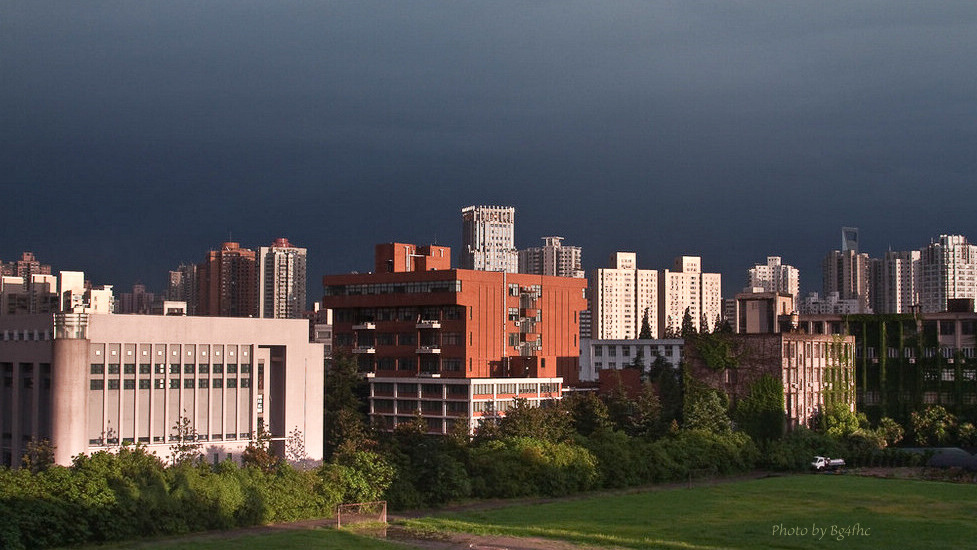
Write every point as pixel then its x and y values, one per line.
pixel 597 355
pixel 687 287
pixel 488 239
pixel 621 296
pixel 832 304
pixel 898 282
pixel 948 271
pixel 775 276
pixel 281 281
pixel 551 259
pixel 89 382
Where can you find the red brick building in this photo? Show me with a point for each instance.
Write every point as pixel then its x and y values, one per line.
pixel 419 323
pixel 227 282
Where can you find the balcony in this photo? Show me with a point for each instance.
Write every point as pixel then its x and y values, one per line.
pixel 365 326
pixel 429 323
pixel 364 349
pixel 429 349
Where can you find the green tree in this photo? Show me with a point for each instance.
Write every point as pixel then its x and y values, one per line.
pixel 38 455
pixel 645 333
pixel 548 421
pixel 705 408
pixel 933 427
pixel 185 448
pixel 891 431
pixel 838 420
pixel 345 418
pixel 258 451
pixel 588 412
pixel 688 326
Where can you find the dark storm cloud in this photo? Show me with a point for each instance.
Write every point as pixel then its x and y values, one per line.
pixel 138 135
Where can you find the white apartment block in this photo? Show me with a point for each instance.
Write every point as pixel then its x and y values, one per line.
pixel 488 239
pixel 687 287
pixel 776 276
pixel 281 281
pixel 831 304
pixel 897 282
pixel 948 271
pixel 551 259
pixel 620 297
pixel 597 355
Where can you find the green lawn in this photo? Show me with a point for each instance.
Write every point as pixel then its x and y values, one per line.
pixel 749 514
pixel 321 539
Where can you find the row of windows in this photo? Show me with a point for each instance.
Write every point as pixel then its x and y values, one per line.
pixel 163 439
pixel 174 368
pixel 159 383
pixel 393 288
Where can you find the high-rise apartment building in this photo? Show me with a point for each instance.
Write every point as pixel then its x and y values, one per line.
pixel 775 276
pixel 281 280
pixel 848 273
pixel 488 239
pixel 26 266
pixel 551 259
pixel 687 288
pixel 182 287
pixel 227 282
pixel 948 271
pixel 621 296
pixel 896 282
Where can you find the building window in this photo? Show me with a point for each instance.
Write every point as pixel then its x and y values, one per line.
pixel 159 383
pixel 218 368
pixel 113 384
pixel 598 351
pixel 96 384
pixel 129 368
pixel 113 368
pixel 216 383
pixel 203 368
pixel 129 384
pixel 231 382
pixel 202 383
pixel 174 368
pixel 188 383
pixel 231 367
pixel 97 368
pixel 188 368
pixel 245 368
pixel 245 383
pixel 174 384
pixel 145 368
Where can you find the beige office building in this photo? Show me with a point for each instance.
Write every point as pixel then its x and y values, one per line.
pixel 687 287
pixel 91 382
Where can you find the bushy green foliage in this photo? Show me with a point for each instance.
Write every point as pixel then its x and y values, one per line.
pixel 934 426
pixel 526 466
pixel 761 412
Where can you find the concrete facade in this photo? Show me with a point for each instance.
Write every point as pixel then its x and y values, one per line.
pixel 281 281
pixel 488 239
pixel 776 276
pixel 688 287
pixel 92 382
pixel 620 295
pixel 551 259
pixel 598 355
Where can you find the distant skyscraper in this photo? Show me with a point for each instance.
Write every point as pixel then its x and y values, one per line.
pixel 620 297
pixel 138 301
pixel 776 277
pixel 847 272
pixel 227 283
pixel 183 287
pixel 551 259
pixel 686 287
pixel 488 239
pixel 849 239
pixel 281 280
pixel 26 266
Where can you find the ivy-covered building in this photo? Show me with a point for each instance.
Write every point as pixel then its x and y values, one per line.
pixel 907 362
pixel 813 369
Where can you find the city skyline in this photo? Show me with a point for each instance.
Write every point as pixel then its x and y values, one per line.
pixel 731 132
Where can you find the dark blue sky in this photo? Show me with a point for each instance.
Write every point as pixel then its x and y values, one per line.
pixel 136 135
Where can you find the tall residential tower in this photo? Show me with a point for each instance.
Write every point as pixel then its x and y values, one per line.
pixel 488 239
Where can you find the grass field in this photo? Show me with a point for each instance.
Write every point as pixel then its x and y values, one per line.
pixel 321 539
pixel 779 512
pixel 776 512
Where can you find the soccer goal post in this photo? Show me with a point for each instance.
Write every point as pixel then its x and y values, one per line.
pixel 361 512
